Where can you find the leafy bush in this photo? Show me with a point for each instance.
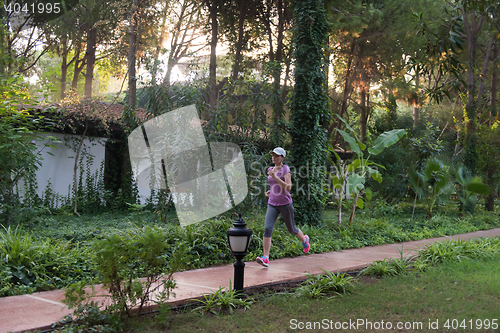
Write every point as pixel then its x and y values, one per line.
pixel 427 146
pixel 361 168
pixel 402 264
pixel 336 284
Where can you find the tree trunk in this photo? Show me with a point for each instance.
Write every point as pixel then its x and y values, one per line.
pixel 281 27
pixel 64 69
pixel 416 105
pixel 368 108
pixel 494 73
pixel 79 63
pixel 363 113
pixel 346 93
pixel 177 49
pixel 482 79
pixel 212 80
pixel 239 43
pixel 90 57
pixel 353 210
pixel 309 108
pixel 470 151
pixel 489 202
pixel 278 102
pixel 132 49
pixel 159 42
pixel 168 73
pixel 267 23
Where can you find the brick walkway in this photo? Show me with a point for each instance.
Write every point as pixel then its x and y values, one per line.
pixel 40 310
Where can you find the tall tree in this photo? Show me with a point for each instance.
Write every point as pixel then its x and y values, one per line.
pixel 99 27
pixel 370 42
pixel 21 38
pixel 467 23
pixel 240 27
pixel 213 9
pixel 473 17
pixel 309 107
pixel 64 34
pixel 79 64
pixel 182 29
pixel 276 17
pixel 134 22
pixel 243 10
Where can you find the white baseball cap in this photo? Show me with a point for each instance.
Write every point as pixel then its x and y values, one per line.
pixel 279 151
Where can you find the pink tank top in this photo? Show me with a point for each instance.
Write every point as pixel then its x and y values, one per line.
pixel 278 196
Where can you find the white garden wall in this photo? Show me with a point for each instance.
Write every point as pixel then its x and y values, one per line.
pixel 59 168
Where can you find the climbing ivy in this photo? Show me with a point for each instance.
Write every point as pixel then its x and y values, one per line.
pixel 309 109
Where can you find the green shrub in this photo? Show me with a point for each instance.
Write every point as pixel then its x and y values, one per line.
pixel 132 265
pixel 222 301
pixel 379 268
pixel 206 244
pixel 335 284
pixel 451 250
pixel 392 267
pixel 87 318
pixel 28 264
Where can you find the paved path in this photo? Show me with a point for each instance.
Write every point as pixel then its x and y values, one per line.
pixel 40 310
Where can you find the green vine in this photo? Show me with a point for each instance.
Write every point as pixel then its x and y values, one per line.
pixel 309 109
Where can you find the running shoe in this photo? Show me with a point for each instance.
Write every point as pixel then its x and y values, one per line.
pixel 305 244
pixel 264 261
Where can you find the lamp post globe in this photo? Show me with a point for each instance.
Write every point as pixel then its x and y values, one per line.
pixel 239 237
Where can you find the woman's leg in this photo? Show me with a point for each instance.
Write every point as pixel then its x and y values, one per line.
pixel 266 242
pixel 271 217
pixel 301 236
pixel 287 213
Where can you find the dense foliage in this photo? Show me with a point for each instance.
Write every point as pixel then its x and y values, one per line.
pixel 19 156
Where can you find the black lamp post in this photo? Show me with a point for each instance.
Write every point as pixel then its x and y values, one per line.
pixel 239 238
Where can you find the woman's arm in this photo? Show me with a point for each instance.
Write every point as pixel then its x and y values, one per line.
pixel 288 181
pixel 287 184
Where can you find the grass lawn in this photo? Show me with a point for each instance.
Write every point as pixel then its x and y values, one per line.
pixel 461 296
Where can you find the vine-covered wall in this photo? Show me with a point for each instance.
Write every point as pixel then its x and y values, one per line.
pixel 104 176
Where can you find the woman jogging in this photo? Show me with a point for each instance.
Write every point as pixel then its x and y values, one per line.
pixel 280 202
